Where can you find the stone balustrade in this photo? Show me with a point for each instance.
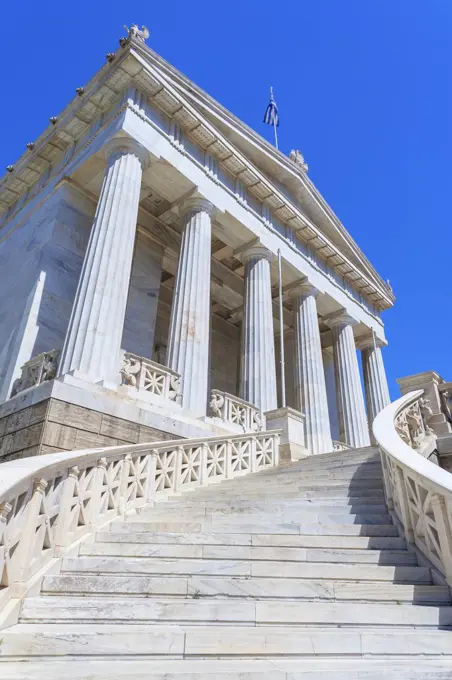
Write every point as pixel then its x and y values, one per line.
pixel 35 371
pixel 51 502
pixel 419 492
pixel 150 377
pixel 340 446
pixel 235 411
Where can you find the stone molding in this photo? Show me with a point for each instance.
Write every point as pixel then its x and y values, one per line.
pixel 125 145
pixel 303 288
pixel 339 318
pixel 258 251
pixel 196 204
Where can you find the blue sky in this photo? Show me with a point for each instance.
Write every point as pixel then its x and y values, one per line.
pixel 363 89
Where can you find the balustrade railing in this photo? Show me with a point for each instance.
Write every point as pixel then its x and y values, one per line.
pixel 419 492
pixel 150 377
pixel 236 411
pixel 50 502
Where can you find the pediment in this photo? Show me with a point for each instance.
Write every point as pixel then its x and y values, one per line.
pixel 270 175
pixel 271 162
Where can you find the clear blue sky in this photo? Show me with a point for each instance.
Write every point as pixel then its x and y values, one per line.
pixel 363 89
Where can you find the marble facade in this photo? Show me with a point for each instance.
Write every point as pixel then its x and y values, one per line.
pixel 151 232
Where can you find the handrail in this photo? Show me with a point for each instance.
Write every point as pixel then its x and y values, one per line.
pixel 50 502
pixel 419 492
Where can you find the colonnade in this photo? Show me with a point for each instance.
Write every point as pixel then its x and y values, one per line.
pixel 92 344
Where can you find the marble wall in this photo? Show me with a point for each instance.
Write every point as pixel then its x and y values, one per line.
pixel 142 303
pixel 41 262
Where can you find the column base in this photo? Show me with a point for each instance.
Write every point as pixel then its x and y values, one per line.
pixel 292 444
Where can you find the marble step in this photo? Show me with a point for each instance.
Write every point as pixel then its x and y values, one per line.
pixel 230 611
pixel 304 570
pixel 337 491
pixel 266 519
pixel 116 668
pixel 134 523
pixel 267 553
pixel 250 508
pixel 227 586
pixel 58 639
pixel 284 540
pixel 221 502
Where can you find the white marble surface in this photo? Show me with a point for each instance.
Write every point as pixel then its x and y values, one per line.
pixel 189 333
pixel 375 382
pixel 310 388
pixel 353 427
pixel 258 367
pixel 93 339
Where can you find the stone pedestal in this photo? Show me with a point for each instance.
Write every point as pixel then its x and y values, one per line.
pixel 429 382
pixel 353 427
pixel 292 444
pixel 258 368
pixel 93 339
pixel 375 382
pixel 188 341
pixel 310 389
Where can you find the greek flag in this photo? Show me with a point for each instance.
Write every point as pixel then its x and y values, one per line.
pixel 271 114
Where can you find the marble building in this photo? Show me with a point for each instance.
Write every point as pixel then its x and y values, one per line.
pixel 139 279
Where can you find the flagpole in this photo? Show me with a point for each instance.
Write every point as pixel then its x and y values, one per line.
pixel 281 332
pixel 274 119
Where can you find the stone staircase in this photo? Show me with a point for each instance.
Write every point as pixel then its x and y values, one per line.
pixel 293 572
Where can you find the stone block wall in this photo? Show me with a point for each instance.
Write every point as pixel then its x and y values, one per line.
pixel 54 425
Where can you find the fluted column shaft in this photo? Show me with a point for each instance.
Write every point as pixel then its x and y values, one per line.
pixel 310 388
pixel 353 428
pixel 188 342
pixel 258 368
pixel 375 382
pixel 93 339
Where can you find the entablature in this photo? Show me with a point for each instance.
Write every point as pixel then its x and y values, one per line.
pixel 112 91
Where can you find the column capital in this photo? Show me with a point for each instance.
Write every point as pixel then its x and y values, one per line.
pixel 125 145
pixel 369 341
pixel 302 288
pixel 257 250
pixel 339 318
pixel 196 204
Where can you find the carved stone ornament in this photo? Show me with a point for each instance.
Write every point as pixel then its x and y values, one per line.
pixel 175 390
pixel 216 404
pixel 297 157
pixel 412 424
pixel 129 371
pixel 135 32
pixel 447 404
pixel 36 371
pixel 257 421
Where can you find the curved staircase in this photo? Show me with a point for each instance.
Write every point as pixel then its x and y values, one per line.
pixel 297 571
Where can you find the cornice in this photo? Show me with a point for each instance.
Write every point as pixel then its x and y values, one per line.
pixel 130 67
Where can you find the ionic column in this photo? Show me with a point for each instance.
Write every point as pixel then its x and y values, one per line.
pixel 94 334
pixel 188 342
pixel 258 368
pixel 375 383
pixel 310 388
pixel 353 428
